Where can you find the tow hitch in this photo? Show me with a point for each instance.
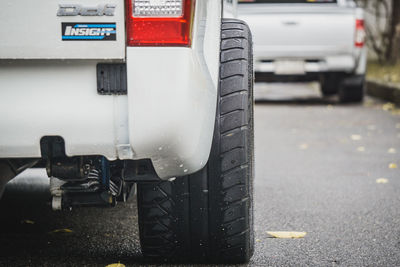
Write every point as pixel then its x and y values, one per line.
pixel 84 182
pixel 90 180
pixel 81 181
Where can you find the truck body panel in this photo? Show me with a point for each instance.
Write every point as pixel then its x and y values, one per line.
pixel 34 30
pixel 298 31
pixel 170 103
pixel 177 122
pixel 56 98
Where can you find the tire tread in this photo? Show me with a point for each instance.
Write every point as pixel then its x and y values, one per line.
pixel 227 234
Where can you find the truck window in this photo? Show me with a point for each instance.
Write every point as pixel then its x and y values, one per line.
pixel 287 1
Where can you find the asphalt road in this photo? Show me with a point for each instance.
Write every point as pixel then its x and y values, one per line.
pixel 317 165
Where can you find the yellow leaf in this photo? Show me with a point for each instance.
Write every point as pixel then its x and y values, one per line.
pixel 28 222
pixel 258 240
pixel 356 137
pixel 303 146
pixel 392 150
pixel 392 166
pixel 388 106
pixel 360 149
pixel 369 103
pixel 116 265
pixel 398 126
pixel 382 181
pixel 65 230
pixel 287 234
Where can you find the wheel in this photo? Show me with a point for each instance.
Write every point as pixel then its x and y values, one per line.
pixel 208 216
pixel 352 89
pixel 330 83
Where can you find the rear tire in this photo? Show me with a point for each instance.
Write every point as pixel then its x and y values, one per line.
pixel 208 216
pixel 352 89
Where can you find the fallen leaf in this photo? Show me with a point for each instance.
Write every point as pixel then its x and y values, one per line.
pixel 392 166
pixel 398 126
pixel 284 234
pixel 388 106
pixel 258 240
pixel 116 265
pixel 392 150
pixel 329 106
pixel 382 181
pixel 369 103
pixel 396 111
pixel 356 137
pixel 28 222
pixel 64 230
pixel 303 146
pixel 360 149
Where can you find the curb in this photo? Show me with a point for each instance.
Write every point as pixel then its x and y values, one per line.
pixel 385 91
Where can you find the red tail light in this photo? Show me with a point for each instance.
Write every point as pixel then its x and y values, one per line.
pixel 360 33
pixel 159 22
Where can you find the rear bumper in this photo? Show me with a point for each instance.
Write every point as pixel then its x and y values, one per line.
pixel 55 98
pixel 310 65
pixel 315 61
pixel 167 116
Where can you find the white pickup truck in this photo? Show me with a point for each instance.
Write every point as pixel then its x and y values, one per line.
pixel 317 39
pixel 157 93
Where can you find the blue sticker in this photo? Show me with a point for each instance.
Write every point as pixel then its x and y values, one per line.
pixel 83 31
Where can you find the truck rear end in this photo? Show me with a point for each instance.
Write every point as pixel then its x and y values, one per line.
pixel 304 37
pixel 146 96
pixel 322 34
pixel 103 76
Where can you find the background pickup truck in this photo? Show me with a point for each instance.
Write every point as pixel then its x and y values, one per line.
pixel 114 95
pixel 323 39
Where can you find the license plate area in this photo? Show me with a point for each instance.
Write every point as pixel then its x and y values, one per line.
pixel 289 67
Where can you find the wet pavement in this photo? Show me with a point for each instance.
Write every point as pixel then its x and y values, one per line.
pixel 322 168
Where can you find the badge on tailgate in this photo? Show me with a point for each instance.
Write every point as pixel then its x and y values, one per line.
pixel 83 31
pixel 78 10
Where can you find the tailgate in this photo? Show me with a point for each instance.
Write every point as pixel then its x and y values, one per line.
pixel 50 29
pixel 301 31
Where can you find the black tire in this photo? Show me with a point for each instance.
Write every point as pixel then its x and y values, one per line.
pixel 352 89
pixel 330 83
pixel 208 216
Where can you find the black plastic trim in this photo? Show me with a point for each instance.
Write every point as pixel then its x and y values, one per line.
pixel 111 79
